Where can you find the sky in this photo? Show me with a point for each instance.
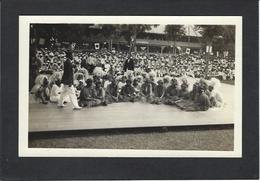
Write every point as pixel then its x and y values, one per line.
pixel 189 29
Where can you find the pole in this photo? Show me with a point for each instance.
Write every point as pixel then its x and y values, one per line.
pixel 174 51
pixel 111 45
pixel 207 58
pixel 207 65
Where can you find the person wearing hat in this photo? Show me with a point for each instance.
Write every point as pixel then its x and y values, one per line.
pixel 67 80
pixel 127 93
pixel 129 64
pixel 172 93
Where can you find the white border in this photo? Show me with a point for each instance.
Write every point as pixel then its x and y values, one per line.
pixel 24 27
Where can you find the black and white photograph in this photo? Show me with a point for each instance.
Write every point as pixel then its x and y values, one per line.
pixel 130 86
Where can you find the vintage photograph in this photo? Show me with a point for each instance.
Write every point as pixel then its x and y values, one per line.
pixel 148 83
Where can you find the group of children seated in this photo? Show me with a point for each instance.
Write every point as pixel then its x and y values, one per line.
pixel 187 93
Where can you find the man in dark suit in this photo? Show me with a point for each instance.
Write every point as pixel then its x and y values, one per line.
pixel 67 81
pixel 67 78
pixel 129 64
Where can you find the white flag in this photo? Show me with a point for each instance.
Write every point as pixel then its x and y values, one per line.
pixel 208 48
pixel 97 46
pixel 187 50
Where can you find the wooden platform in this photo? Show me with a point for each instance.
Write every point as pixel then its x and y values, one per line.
pixel 125 115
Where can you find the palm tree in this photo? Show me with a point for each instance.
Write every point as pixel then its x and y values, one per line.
pixel 172 32
pixel 217 35
pixel 130 31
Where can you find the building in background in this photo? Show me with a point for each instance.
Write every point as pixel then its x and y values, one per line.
pixel 93 37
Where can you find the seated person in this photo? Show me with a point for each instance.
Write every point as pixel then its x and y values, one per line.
pixel 166 81
pixel 43 92
pixel 79 82
pixel 88 96
pixel 100 93
pixel 121 83
pixel 107 79
pixel 80 85
pixel 54 77
pixel 203 102
pixel 204 85
pixel 146 90
pixel 38 83
pixel 188 99
pixel 215 97
pixel 127 93
pixel 139 80
pixel 112 92
pixel 184 93
pixel 55 91
pixel 172 93
pixel 159 93
pixel 194 94
pixel 137 88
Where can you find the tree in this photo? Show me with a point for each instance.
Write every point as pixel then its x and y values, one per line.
pixel 229 35
pixel 111 32
pixel 174 31
pixel 222 37
pixel 209 34
pixel 130 32
pixel 60 32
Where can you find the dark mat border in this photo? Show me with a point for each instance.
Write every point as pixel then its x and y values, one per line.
pixel 127 168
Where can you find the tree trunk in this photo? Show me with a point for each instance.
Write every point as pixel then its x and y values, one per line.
pixel 207 61
pixel 110 43
pixel 207 65
pixel 174 45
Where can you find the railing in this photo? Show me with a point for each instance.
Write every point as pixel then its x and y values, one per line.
pixel 168 43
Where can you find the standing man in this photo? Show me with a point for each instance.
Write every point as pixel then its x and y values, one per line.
pixel 67 80
pixel 129 64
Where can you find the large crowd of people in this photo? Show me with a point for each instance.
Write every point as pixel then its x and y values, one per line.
pixel 102 77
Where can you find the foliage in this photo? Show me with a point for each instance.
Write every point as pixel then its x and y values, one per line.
pixel 173 31
pixel 222 37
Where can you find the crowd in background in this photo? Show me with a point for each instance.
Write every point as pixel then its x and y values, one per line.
pixel 174 65
pixel 102 77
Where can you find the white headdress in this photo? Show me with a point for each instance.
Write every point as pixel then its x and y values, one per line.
pixel 98 71
pixel 214 83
